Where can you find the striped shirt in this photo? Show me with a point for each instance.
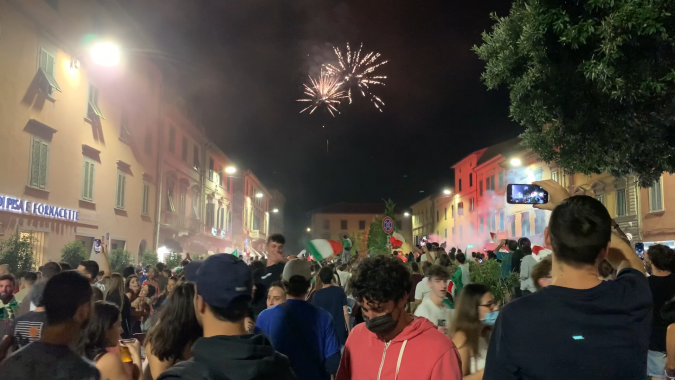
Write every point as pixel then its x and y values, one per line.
pixel 27 328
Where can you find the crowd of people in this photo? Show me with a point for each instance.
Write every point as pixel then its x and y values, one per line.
pixel 592 309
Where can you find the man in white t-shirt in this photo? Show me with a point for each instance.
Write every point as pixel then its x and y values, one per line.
pixel 422 288
pixel 428 253
pixel 433 307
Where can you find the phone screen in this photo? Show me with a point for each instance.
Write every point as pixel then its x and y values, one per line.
pixel 525 194
pixel 640 249
pixel 97 245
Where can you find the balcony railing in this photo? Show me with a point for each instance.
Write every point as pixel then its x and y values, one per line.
pixel 181 222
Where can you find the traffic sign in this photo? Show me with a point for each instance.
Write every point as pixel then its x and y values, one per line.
pixel 388 225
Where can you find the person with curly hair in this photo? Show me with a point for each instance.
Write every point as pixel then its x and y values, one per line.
pixel 391 342
pixel 660 260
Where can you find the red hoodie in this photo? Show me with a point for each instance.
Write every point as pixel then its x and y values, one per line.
pixel 419 352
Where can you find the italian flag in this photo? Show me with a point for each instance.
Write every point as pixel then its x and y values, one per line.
pixel 322 249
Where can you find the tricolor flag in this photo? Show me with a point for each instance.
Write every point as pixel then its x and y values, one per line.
pixel 493 236
pixel 322 249
pixel 398 236
pixel 539 252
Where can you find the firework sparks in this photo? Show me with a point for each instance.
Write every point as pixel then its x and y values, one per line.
pixel 357 71
pixel 327 90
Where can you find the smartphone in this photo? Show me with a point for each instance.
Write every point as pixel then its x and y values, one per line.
pixel 640 250
pixel 97 245
pixel 525 194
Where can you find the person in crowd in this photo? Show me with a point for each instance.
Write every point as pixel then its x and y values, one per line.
pixel 143 274
pixel 257 264
pixel 526 266
pixel 541 273
pixel 333 299
pixel 90 269
pixel 167 273
pixel 276 295
pixel 10 307
pixel 475 313
pixel 26 328
pixel 345 275
pixel 25 284
pixel 97 294
pixel 132 287
pixel 161 277
pixel 584 315
pixel 170 339
pixel 415 278
pixel 443 259
pixel 99 277
pixel 668 315
pixel 153 278
pixel 170 286
pixel 428 253
pixel 346 249
pixel 606 271
pixel 65 266
pixel 392 343
pixel 506 258
pixel 300 330
pixel 316 284
pixel 102 333
pixel 128 271
pixel 660 261
pixel 461 276
pixel 116 296
pixel 227 350
pixel 422 289
pixel 48 271
pixel 272 272
pixel 491 255
pixel 52 357
pixel 433 307
pixel 184 263
pixel 142 305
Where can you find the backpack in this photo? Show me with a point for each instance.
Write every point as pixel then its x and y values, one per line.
pixel 188 370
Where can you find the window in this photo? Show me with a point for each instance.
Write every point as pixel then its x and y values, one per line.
pixel 538 174
pixel 120 190
pixel 438 218
pixel 471 229
pixel 471 204
pixel 452 211
pixel 145 199
pixel 148 142
pixel 445 213
pixel 621 202
pixel 172 139
pixel 487 185
pixel 93 112
pixel 446 233
pixel 211 165
pixel 501 180
pixel 184 150
pixel 169 197
pixel 470 180
pixel 493 224
pixel 601 198
pixel 362 225
pixel 492 183
pixel 525 224
pixel 399 225
pixel 460 184
pixel 54 4
pixel 220 176
pixel 656 196
pixel 221 218
pixel 195 157
pixel 513 226
pixel 481 228
pixel 539 221
pixel 461 232
pixel 501 221
pixel 124 127
pixel 460 208
pixel 210 215
pixel 554 175
pixel 343 224
pixel 480 186
pixel 326 224
pixel 182 206
pixel 39 163
pixel 47 63
pixel 88 181
pixel 453 232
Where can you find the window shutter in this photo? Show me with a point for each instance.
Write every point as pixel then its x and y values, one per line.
pixel 92 177
pixel 43 60
pixel 85 181
pixel 124 185
pixel 50 64
pixel 44 150
pixel 35 164
pixel 117 191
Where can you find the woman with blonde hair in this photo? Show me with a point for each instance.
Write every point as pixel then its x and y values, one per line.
pixel 475 313
pixel 116 295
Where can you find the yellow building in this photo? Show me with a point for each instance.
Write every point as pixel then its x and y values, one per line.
pixel 353 220
pixel 78 142
pixel 423 220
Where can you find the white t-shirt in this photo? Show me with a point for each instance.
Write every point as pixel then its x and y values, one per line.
pixel 423 258
pixel 422 289
pixel 438 315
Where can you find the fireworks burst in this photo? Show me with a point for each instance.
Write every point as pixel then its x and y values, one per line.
pixel 327 90
pixel 357 71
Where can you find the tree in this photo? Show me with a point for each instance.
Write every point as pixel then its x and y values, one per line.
pixel 149 258
pixel 489 273
pixel 173 260
pixel 17 252
pixel 378 242
pixel 73 253
pixel 591 81
pixel 119 259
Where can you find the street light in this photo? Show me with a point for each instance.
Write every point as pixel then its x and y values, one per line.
pixel 309 229
pixel 259 195
pixel 515 162
pixel 106 54
pixel 230 170
pixel 446 192
pixel 275 210
pixel 406 214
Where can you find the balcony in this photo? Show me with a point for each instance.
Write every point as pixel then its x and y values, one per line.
pixel 182 224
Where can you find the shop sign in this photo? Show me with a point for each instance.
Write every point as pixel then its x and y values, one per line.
pixel 254 234
pixel 21 206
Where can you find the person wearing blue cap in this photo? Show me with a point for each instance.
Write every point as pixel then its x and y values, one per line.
pixel 227 350
pixel 300 330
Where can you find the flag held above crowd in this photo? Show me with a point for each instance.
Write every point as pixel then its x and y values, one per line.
pixel 322 249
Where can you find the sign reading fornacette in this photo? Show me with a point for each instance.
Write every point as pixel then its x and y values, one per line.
pixel 21 206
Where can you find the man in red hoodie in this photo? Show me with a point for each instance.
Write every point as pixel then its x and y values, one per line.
pixel 393 344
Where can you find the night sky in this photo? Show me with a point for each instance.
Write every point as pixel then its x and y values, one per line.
pixel 244 63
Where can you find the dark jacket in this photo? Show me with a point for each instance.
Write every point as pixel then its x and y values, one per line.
pixel 247 357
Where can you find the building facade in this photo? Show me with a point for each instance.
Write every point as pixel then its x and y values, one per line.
pixel 422 219
pixel 251 216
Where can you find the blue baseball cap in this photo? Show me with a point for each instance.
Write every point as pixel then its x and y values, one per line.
pixel 222 278
pixel 190 271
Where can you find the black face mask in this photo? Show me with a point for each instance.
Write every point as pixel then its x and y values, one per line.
pixel 383 324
